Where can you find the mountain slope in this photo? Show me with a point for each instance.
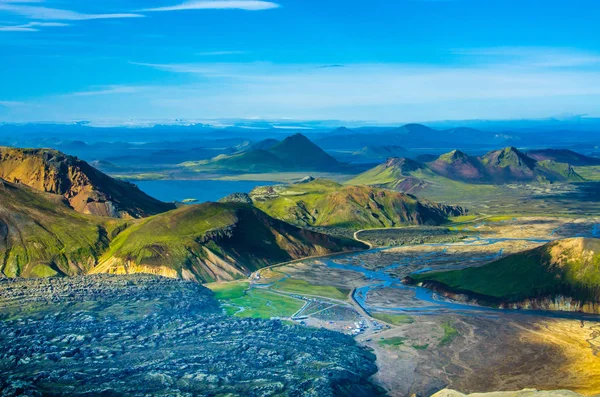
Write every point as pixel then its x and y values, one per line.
pixel 88 190
pixel 498 167
pixel 511 165
pixel 294 153
pixel 458 166
pixel 400 174
pixel 564 156
pixel 561 275
pixel 213 241
pixel 41 236
pixel 326 203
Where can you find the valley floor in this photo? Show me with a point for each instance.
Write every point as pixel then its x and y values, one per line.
pixel 425 343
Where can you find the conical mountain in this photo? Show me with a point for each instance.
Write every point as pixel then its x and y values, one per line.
pixel 298 151
pixel 457 165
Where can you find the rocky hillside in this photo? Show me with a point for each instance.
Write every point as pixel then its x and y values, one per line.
pixel 88 190
pixel 213 241
pixel 561 275
pixel 326 203
pixel 144 335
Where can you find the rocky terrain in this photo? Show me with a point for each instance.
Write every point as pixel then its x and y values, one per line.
pixel 411 236
pixel 145 335
pixel 87 190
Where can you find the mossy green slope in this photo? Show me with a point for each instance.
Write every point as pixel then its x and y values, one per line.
pixel 568 268
pixel 326 203
pixel 213 241
pixel 40 236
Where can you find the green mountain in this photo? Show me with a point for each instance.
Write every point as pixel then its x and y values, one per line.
pixel 511 165
pixel 498 167
pixel 400 174
pixel 41 236
pixel 88 190
pixel 294 153
pixel 213 241
pixel 326 203
pixel 457 165
pixel 561 275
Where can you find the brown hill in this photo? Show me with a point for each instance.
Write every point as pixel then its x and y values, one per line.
pixel 88 190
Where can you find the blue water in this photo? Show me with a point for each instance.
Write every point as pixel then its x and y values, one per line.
pixel 436 304
pixel 201 190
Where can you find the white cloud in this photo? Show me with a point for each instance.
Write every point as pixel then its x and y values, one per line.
pixel 532 56
pixel 248 5
pixel 11 104
pixel 109 90
pixel 21 7
pixel 31 26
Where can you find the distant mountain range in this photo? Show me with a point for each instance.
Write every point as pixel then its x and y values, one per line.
pixel 561 275
pixel 508 165
pixel 416 136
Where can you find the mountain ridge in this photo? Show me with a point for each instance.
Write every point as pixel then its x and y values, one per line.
pixel 87 189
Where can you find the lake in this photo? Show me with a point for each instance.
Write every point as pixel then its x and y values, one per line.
pixel 201 190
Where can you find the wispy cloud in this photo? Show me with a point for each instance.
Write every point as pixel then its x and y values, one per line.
pixel 220 53
pixel 11 104
pixel 31 26
pixel 25 9
pixel 110 90
pixel 532 56
pixel 248 5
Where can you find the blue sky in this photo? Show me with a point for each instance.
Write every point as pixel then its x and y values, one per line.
pixel 378 60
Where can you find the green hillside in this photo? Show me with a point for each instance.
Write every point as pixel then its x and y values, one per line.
pixel 40 236
pixel 568 267
pixel 213 241
pixel 326 203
